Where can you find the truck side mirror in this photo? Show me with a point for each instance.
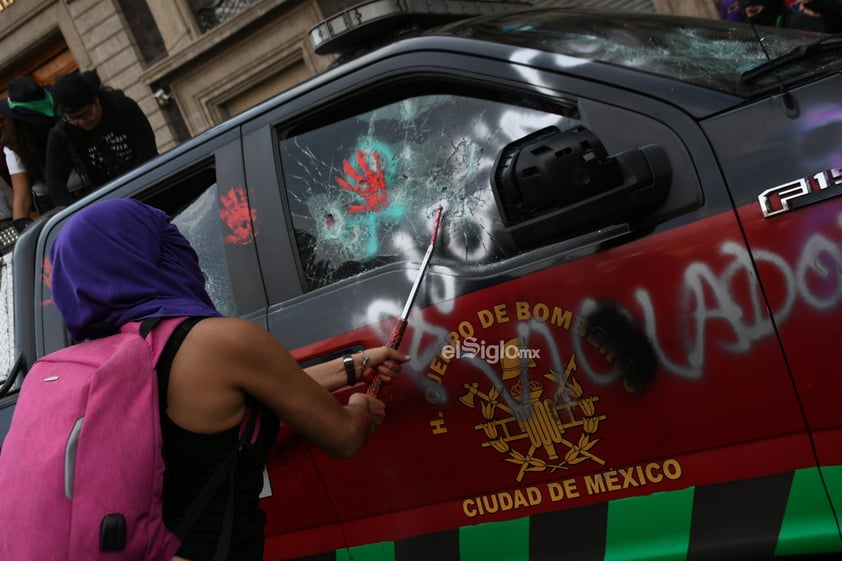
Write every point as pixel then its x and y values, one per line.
pixel 552 183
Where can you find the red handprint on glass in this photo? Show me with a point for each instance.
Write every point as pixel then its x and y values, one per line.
pixel 47 277
pixel 367 183
pixel 235 213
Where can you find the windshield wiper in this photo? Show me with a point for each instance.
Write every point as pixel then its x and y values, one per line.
pixel 803 52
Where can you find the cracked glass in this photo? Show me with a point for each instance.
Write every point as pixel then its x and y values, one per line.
pixel 363 191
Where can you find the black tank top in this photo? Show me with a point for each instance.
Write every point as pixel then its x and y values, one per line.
pixel 191 459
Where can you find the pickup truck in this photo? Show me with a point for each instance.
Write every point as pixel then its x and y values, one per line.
pixel 624 344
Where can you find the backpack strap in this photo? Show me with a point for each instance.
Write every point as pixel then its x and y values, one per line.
pixel 147 325
pixel 228 467
pixel 167 354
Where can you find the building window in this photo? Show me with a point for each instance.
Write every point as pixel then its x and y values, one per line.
pixel 145 30
pixel 212 13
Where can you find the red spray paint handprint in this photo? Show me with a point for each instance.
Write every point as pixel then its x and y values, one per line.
pixel 368 184
pixel 47 277
pixel 235 213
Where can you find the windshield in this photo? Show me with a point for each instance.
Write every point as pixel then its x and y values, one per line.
pixel 708 53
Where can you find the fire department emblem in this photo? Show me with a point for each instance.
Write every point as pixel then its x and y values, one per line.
pixel 539 425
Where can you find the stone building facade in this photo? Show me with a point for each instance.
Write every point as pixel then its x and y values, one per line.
pixel 191 64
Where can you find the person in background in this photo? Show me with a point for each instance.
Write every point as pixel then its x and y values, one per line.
pixel 764 12
pixel 144 268
pixel 731 10
pixel 7 195
pixel 820 16
pixel 28 115
pixel 103 134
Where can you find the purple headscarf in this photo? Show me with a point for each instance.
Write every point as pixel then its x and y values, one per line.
pixel 121 260
pixel 731 10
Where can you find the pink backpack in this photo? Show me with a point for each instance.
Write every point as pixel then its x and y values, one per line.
pixel 81 467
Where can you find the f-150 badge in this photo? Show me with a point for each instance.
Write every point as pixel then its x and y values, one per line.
pixel 801 192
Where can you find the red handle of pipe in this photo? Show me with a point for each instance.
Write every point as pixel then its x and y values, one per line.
pixel 394 342
pixel 396 335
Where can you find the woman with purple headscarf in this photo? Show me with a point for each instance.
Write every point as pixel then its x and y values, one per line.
pixel 121 260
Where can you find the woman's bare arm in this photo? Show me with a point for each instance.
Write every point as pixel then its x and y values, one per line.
pixel 379 360
pixel 22 196
pixel 223 359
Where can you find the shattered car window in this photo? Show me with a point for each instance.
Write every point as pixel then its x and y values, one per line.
pixel 363 191
pixel 199 223
pixel 707 53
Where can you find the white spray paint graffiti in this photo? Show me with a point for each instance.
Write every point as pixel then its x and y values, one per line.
pixel 811 261
pixel 528 332
pixel 699 278
pixel 7 339
pixel 708 296
pixel 748 323
pixel 422 339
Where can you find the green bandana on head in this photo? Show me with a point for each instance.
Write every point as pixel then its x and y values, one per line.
pixel 42 106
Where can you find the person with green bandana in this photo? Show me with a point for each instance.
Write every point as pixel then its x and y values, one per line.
pixel 26 117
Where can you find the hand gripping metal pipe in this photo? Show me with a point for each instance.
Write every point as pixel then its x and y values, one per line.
pixel 400 326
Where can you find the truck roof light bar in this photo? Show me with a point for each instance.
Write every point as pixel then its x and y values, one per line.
pixel 360 24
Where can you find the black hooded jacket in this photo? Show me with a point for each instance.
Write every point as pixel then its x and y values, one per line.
pixel 123 140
